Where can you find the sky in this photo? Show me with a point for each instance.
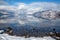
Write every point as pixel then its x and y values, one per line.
pixel 30 1
pixel 21 11
pixel 11 2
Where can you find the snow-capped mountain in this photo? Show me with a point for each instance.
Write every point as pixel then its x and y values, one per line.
pixel 4 14
pixel 47 14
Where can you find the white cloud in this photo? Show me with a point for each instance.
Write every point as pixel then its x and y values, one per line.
pixel 21 6
pixel 7 7
pixel 3 2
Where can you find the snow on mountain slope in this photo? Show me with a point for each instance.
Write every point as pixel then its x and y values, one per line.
pixel 47 14
pixel 8 37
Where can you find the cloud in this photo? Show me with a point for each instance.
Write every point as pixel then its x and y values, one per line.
pixel 23 13
pixel 2 2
